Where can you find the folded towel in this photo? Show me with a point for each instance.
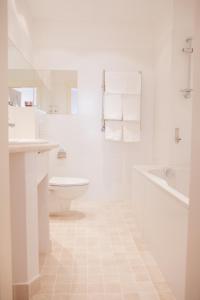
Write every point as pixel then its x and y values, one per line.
pixel 113 130
pixel 131 107
pixel 131 132
pixel 133 83
pixel 112 107
pixel 123 82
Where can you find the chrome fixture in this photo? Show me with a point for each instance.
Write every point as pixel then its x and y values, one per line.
pixel 103 127
pixel 11 125
pixel 168 172
pixel 61 154
pixel 178 139
pixel 187 93
pixel 188 50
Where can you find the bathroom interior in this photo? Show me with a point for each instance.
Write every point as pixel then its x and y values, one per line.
pixel 100 149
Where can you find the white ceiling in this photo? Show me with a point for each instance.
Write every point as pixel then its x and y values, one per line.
pixel 108 24
pixel 139 12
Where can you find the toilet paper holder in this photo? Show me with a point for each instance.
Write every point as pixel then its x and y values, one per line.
pixel 61 154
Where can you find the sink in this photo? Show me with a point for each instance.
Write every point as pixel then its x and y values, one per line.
pixel 27 141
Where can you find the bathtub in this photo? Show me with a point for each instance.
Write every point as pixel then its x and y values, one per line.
pixel 160 200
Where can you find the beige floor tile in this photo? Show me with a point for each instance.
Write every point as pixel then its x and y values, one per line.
pixel 112 287
pixel 78 297
pixel 141 274
pixel 155 274
pixel 131 296
pixel 166 296
pixel 98 253
pixel 162 287
pixel 94 288
pixel 41 296
pixel 47 281
pixel 62 288
pixel 61 297
pixel 95 278
pixel 95 297
pixel 70 297
pixel 136 262
pixel 46 289
pixel 148 296
pixel 146 287
pixel 113 297
pixel 112 278
pixel 80 288
pixel 129 287
pixel 49 270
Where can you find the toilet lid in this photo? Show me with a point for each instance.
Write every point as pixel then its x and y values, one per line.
pixel 68 181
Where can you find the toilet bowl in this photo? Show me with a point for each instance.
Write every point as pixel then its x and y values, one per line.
pixel 62 190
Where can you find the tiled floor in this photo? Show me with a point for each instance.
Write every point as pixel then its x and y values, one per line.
pixel 98 254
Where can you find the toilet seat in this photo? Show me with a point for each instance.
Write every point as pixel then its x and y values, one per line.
pixel 68 181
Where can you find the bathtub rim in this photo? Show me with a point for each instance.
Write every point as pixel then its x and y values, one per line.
pixel 144 170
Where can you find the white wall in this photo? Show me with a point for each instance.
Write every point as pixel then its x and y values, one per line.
pixel 20 27
pixel 193 264
pixel 76 44
pixel 172 109
pixel 122 42
pixel 5 231
pixel 106 164
pixel 163 98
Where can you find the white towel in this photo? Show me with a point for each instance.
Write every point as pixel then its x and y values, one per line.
pixel 131 107
pixel 113 130
pixel 123 82
pixel 133 82
pixel 112 107
pixel 131 132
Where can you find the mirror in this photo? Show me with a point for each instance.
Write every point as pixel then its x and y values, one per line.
pixel 59 94
pixel 52 91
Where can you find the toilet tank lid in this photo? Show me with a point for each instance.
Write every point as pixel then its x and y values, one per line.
pixel 68 181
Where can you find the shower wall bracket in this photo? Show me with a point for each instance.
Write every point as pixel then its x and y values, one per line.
pixel 103 127
pixel 187 93
pixel 188 49
pixel 178 139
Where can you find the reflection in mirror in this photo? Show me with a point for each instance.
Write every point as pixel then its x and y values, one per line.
pixel 23 96
pixel 23 87
pixel 60 93
pixel 52 91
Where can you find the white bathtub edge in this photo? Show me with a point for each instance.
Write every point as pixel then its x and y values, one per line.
pixel 143 170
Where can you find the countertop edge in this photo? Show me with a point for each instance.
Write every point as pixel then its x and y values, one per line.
pixel 31 148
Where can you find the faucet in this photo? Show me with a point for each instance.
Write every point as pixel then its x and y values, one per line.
pixel 11 124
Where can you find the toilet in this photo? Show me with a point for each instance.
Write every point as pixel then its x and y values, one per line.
pixel 62 190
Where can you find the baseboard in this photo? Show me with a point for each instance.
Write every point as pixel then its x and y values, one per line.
pixel 24 291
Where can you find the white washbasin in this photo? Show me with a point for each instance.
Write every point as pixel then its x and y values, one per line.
pixel 27 141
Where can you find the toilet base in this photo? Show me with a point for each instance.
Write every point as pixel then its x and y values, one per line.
pixel 58 205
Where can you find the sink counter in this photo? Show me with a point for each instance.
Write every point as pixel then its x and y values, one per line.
pixel 29 210
pixel 27 147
